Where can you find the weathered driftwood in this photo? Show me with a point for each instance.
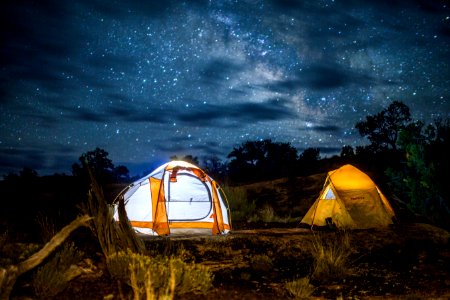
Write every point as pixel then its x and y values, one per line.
pixel 113 236
pixel 9 275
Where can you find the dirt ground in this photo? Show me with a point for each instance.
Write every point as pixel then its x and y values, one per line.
pixel 406 261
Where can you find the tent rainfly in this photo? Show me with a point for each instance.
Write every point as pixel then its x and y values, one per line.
pixel 176 198
pixel 350 199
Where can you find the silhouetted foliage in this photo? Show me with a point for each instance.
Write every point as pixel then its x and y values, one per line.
pixel 308 161
pixel 261 160
pixel 382 128
pixel 422 179
pixel 102 167
pixel 347 152
pixel 214 167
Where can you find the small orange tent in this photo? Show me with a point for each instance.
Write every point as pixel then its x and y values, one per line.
pixel 350 199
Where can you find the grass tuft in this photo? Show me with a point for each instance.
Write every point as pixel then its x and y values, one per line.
pixel 261 263
pixel 241 208
pixel 52 278
pixel 47 227
pixel 159 277
pixel 300 288
pixel 331 254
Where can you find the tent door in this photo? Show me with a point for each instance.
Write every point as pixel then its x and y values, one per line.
pixel 188 199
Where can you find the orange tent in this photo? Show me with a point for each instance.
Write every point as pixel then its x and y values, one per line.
pixel 350 199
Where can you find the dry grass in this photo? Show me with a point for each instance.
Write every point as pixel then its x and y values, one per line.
pixel 240 206
pixel 331 254
pixel 300 288
pixel 159 277
pixel 47 227
pixel 261 263
pixel 3 239
pixel 52 278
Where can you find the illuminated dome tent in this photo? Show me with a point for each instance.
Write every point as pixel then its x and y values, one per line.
pixel 350 199
pixel 176 198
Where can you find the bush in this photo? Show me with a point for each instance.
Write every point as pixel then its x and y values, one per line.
pixel 300 288
pixel 159 277
pixel 261 262
pixel 52 278
pixel 46 226
pixel 331 255
pixel 241 208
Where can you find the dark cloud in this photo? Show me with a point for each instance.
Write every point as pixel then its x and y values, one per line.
pixel 237 114
pixel 217 71
pixel 151 8
pixel 125 112
pixel 11 159
pixel 45 160
pixel 322 128
pixel 324 77
pixel 330 150
pixel 181 146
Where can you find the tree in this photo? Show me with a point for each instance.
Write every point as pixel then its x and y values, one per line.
pixel 214 166
pixel 422 180
pixel 261 160
pixel 347 152
pixel 308 161
pixel 382 129
pixel 101 166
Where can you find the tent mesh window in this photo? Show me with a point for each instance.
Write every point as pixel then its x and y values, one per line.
pixel 329 194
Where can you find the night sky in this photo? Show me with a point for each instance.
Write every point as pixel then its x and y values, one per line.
pixel 145 80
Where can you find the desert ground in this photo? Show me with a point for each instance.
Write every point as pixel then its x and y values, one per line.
pixel 405 261
pixel 261 257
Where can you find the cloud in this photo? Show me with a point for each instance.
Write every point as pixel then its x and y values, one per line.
pixel 324 77
pixel 219 69
pixel 330 150
pixel 117 112
pixel 185 146
pixel 54 157
pixel 322 128
pixel 237 114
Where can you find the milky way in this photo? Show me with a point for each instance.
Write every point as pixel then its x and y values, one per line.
pixel 145 80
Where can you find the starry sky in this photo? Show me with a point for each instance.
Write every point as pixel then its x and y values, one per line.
pixel 145 80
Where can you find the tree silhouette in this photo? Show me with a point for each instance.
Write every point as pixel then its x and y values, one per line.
pixel 261 160
pixel 382 128
pixel 215 167
pixel 422 178
pixel 347 152
pixel 101 166
pixel 308 161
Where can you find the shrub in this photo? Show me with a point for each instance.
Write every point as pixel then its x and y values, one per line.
pixel 160 276
pixel 46 226
pixel 52 278
pixel 261 262
pixel 300 288
pixel 14 253
pixel 3 239
pixel 331 255
pixel 241 208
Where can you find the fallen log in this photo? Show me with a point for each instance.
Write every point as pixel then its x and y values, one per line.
pixel 9 275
